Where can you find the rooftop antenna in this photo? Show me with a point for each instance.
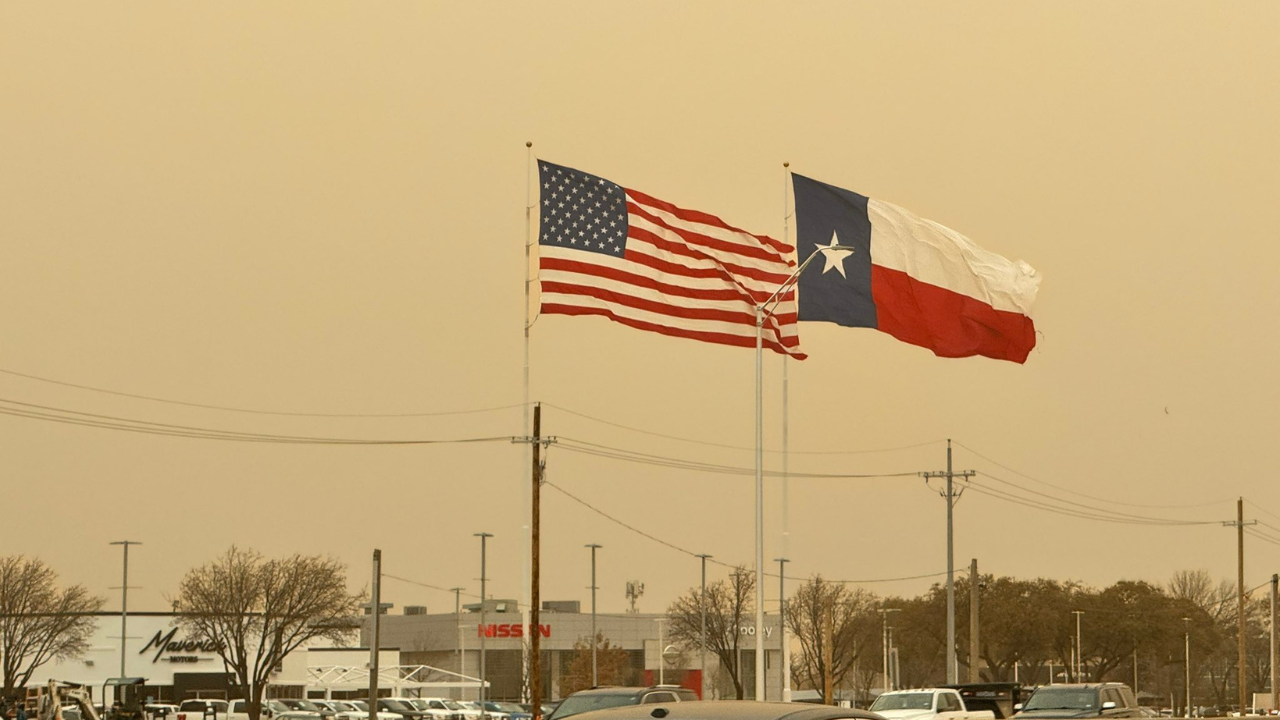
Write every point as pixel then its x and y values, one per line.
pixel 635 589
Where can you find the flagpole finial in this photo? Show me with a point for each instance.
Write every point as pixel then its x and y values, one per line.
pixel 786 164
pixel 528 143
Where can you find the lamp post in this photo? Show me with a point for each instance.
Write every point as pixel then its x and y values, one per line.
pixel 1186 639
pixel 1079 648
pixel 702 644
pixel 595 672
pixel 124 602
pixel 785 654
pixel 884 617
pixel 484 631
pixel 762 310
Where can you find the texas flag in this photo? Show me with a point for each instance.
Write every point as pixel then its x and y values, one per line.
pixel 922 283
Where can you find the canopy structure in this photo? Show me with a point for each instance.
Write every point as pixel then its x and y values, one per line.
pixel 406 680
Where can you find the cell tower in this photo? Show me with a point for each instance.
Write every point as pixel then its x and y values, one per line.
pixel 635 589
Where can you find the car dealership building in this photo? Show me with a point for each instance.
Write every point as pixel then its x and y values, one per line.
pixel 421 655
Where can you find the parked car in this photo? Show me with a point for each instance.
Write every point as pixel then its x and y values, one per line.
pixel 507 709
pixel 608 697
pixel 1110 700
pixel 200 709
pixel 308 706
pixel 726 710
pixel 438 708
pixel 403 708
pixel 271 710
pixel 926 704
pixel 468 709
pixel 359 710
pixel 159 711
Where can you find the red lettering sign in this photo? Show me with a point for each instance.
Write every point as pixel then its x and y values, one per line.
pixel 509 630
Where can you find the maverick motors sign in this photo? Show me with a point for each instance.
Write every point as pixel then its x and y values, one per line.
pixel 177 651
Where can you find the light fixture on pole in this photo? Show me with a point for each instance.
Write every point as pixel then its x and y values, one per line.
pixel 884 643
pixel 595 671
pixel 124 603
pixel 763 309
pixel 702 643
pixel 484 630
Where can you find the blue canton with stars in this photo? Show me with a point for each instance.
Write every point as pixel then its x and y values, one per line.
pixel 581 211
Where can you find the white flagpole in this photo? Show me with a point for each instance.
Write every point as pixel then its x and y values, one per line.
pixel 786 507
pixel 526 507
pixel 759 634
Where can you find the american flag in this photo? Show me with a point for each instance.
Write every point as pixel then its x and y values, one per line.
pixel 616 252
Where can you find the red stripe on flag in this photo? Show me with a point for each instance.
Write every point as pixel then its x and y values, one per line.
pixel 719 338
pixel 700 217
pixel 696 238
pixel 946 322
pixel 746 319
pixel 622 276
pixel 690 252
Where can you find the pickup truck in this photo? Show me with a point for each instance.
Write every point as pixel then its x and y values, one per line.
pixel 926 704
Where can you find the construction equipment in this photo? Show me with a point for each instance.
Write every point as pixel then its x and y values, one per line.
pixel 53 700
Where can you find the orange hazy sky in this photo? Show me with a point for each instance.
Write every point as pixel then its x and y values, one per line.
pixel 318 207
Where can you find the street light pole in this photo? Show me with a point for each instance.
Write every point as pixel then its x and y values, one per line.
pixel 484 630
pixel 1186 626
pixel 702 646
pixel 785 670
pixel 124 602
pixel 884 644
pixel 595 672
pixel 1079 648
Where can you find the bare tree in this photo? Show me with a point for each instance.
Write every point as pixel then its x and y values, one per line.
pixel 38 621
pixel 256 611
pixel 729 602
pixel 855 627
pixel 612 666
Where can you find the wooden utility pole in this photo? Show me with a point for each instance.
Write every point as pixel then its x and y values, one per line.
pixel 973 620
pixel 535 664
pixel 1275 649
pixel 1241 681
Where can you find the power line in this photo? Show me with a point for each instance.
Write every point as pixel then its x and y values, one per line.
pixel 1097 510
pixel 47 413
pixel 606 451
pixel 713 561
pixel 726 446
pixel 1072 512
pixel 252 411
pixel 425 585
pixel 1086 495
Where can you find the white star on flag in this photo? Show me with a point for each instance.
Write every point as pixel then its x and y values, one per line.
pixel 834 254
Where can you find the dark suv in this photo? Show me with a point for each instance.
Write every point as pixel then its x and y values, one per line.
pixel 608 697
pixel 1093 700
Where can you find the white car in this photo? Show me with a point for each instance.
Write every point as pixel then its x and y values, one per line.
pixel 353 710
pixel 472 711
pixel 438 708
pixel 926 704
